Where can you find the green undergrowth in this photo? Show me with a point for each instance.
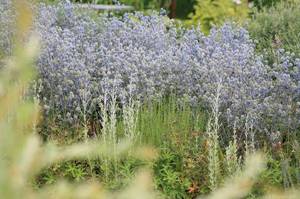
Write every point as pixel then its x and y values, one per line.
pixel 177 132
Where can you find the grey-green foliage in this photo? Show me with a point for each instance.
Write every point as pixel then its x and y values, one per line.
pixel 6 19
pixel 277 28
pixel 260 4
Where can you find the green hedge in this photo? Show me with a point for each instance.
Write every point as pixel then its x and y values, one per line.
pixel 277 28
pixel 260 4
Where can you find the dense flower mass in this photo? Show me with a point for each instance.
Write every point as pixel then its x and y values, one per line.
pixel 85 57
pixel 282 103
pixel 6 21
pixel 226 59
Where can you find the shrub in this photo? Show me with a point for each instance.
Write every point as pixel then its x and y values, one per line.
pixel 277 28
pixel 277 37
pixel 260 4
pixel 216 12
pixel 85 57
pixel 143 56
pixel 282 102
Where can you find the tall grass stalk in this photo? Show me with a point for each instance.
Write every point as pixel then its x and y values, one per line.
pixel 113 126
pixel 233 161
pixel 249 136
pixel 108 108
pixel 103 104
pixel 154 120
pixel 212 130
pixel 130 119
pixel 168 117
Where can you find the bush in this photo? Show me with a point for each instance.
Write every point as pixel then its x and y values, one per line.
pixel 282 102
pixel 184 8
pixel 216 12
pixel 260 4
pixel 146 56
pixel 86 60
pixel 276 32
pixel 277 28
